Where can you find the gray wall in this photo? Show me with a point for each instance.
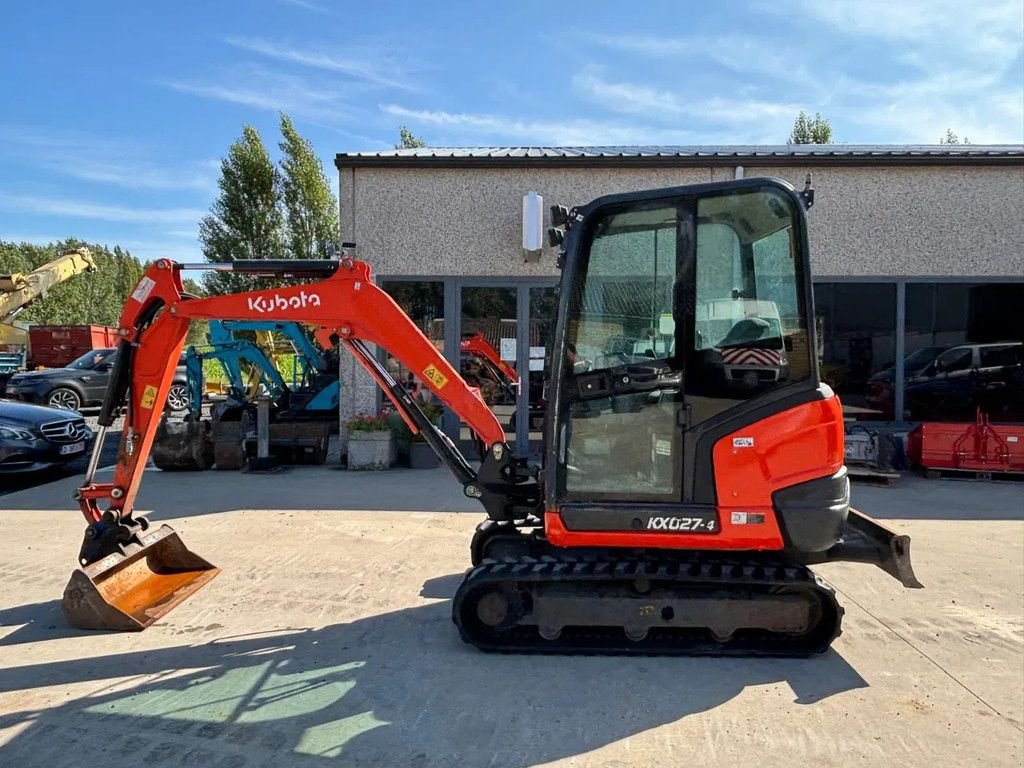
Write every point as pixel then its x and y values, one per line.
pixel 948 221
pixel 868 221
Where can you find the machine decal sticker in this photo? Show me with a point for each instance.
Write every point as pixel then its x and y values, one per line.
pixel 435 377
pixel 143 289
pixel 743 442
pixel 746 518
pixel 148 397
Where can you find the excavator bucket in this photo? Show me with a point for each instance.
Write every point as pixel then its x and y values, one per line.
pixel 128 591
pixel 183 445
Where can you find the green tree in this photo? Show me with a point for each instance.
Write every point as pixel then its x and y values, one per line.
pixel 310 208
pixel 807 130
pixel 408 139
pixel 952 138
pixel 246 221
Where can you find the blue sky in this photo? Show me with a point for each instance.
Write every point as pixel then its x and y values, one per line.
pixel 113 115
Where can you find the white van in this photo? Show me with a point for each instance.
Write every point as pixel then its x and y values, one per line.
pixel 748 334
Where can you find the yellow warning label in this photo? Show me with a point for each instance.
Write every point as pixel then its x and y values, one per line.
pixel 435 377
pixel 148 397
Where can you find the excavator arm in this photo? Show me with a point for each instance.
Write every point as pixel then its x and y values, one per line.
pixel 346 308
pixel 475 344
pixel 20 289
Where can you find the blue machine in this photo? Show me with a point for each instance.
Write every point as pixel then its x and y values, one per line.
pixel 231 355
pixel 315 389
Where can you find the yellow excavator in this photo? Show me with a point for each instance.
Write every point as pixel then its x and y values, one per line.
pixel 20 289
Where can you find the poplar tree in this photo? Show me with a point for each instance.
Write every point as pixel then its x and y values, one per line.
pixel 310 208
pixel 246 220
pixel 808 130
pixel 408 140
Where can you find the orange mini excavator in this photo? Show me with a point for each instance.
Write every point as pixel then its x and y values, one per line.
pixel 681 497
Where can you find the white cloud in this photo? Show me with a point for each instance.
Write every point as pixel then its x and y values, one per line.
pixel 981 31
pixel 634 98
pixel 361 63
pixel 735 52
pixel 921 66
pixel 271 91
pixel 119 162
pixel 53 206
pixel 306 5
pixel 574 132
pixel 138 176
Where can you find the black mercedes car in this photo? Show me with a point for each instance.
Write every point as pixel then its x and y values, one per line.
pixel 34 437
pixel 82 383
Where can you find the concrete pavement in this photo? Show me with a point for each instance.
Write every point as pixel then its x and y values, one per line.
pixel 326 640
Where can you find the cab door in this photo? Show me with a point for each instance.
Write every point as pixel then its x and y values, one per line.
pixel 687 315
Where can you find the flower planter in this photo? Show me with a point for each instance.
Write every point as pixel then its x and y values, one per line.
pixel 422 456
pixel 371 450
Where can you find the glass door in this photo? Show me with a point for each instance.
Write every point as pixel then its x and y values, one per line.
pixel 489 355
pixel 543 310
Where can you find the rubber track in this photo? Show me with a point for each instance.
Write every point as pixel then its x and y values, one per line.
pixel 717 576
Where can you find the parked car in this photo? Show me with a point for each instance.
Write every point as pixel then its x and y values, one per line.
pixel 35 437
pixel 966 377
pixel 83 383
pixel 881 392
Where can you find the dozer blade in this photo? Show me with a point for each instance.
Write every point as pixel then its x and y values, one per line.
pixel 129 591
pixel 865 540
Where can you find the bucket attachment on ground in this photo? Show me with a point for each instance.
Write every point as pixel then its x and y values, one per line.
pixel 183 445
pixel 129 590
pixel 865 540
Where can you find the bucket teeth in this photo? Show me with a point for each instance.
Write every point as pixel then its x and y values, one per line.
pixel 129 590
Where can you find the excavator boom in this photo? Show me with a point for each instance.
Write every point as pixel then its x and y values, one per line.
pixel 346 308
pixel 19 289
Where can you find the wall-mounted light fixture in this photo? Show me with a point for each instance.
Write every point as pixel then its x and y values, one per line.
pixel 533 226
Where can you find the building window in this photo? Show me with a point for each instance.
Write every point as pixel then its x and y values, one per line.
pixel 857 337
pixel 423 301
pixel 965 351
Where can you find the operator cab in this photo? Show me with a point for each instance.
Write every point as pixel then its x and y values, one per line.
pixel 690 307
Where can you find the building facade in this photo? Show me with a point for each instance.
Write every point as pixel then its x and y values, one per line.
pixel 917 255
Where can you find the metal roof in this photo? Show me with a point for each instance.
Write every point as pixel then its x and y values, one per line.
pixel 760 154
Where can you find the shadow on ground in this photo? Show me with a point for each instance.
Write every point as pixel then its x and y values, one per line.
pixel 394 689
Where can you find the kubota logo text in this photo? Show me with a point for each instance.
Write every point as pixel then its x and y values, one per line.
pixel 269 304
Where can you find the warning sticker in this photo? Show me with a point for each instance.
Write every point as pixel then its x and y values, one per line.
pixel 435 377
pixel 148 397
pixel 143 289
